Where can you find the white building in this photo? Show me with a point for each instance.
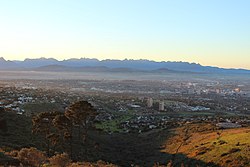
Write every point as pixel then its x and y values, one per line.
pixel 161 106
pixel 150 102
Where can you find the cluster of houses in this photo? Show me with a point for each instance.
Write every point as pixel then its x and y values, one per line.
pixel 148 112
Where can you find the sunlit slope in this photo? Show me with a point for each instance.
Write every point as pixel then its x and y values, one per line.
pixel 223 147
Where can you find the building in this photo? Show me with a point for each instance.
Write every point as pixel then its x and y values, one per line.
pixel 218 91
pixel 198 91
pixel 150 102
pixel 161 106
pixel 191 91
pixel 237 90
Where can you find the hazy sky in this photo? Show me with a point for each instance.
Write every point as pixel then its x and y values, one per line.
pixel 210 32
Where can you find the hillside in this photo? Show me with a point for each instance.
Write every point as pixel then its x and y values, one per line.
pixel 118 148
pixel 223 147
pixel 193 144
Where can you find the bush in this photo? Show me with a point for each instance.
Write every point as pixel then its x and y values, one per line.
pixel 221 142
pixel 60 160
pixel 88 164
pixel 233 150
pixel 31 157
pixel 170 164
pixel 13 153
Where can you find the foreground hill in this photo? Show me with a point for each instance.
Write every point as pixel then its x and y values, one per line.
pixel 223 147
pixel 118 148
pixel 196 144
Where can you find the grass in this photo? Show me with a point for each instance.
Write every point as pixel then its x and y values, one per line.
pixel 113 125
pixel 228 149
pixel 237 146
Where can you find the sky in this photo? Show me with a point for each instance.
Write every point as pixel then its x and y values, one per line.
pixel 209 32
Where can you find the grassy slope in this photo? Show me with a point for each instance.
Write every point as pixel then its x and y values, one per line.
pixel 226 148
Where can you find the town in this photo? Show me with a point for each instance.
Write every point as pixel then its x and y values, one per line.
pixel 134 106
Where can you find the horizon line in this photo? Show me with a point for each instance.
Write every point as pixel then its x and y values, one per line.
pixel 124 60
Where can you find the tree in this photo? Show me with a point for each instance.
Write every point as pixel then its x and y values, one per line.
pixel 3 121
pixel 43 124
pixel 63 124
pixel 59 127
pixel 81 113
pixel 65 127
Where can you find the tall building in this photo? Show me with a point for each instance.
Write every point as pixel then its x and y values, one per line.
pixel 161 106
pixel 150 102
pixel 218 91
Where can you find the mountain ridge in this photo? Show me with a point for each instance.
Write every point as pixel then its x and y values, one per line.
pixel 141 64
pixel 62 68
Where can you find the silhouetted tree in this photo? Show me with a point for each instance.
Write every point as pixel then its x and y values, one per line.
pixel 60 127
pixel 43 124
pixel 65 128
pixel 3 121
pixel 81 113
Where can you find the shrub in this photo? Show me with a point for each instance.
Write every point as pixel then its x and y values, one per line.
pixel 233 150
pixel 31 157
pixel 221 142
pixel 88 164
pixel 60 160
pixel 13 153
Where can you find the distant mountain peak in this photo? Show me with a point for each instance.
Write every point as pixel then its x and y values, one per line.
pixel 2 59
pixel 42 58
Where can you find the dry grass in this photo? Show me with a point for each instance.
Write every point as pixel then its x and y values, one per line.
pixel 226 148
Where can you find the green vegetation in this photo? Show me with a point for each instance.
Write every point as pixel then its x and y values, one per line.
pixel 114 124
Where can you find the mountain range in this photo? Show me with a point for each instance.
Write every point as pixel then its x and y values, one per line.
pixel 86 64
